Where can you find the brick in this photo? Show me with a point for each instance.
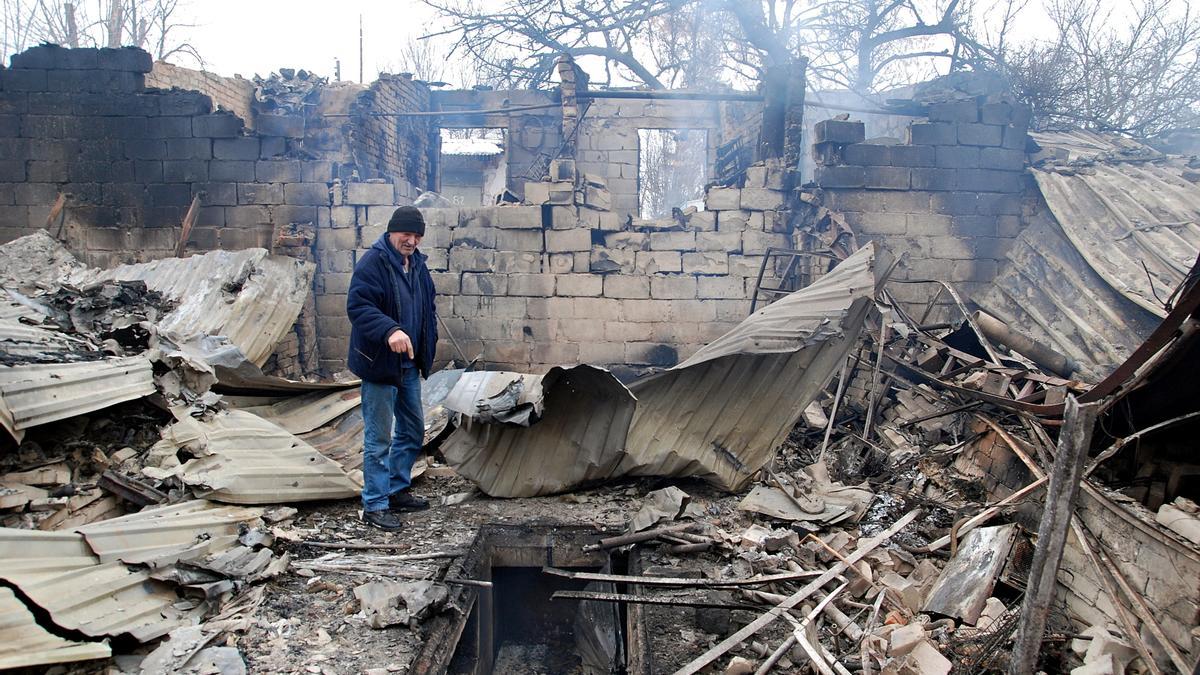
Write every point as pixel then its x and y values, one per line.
pixel 35 194
pixel 23 79
pixel 248 216
pixel 446 283
pixel 957 157
pixel 874 222
pixel 12 171
pixel 886 178
pixel 232 171
pixel 653 262
pixel 293 215
pixel 216 194
pixel 954 111
pixel 929 224
pixel 363 194
pixel 995 204
pixel 587 285
pixel 703 221
pixel 287 126
pixel 169 127
pixel 260 193
pixel 705 263
pixel 560 263
pixel 651 354
pixel 674 287
pixel 867 154
pixel 564 241
pixel 188 103
pixel 235 148
pixel 827 154
pixel 1002 158
pixel 722 199
pixel 466 259
pixel 316 194
pixel 932 133
pixel 954 203
pixel 1009 226
pixel 189 148
pixel 672 241
pixel 937 180
pixel 989 180
pixel 343 216
pixel 761 199
pixel 474 283
pixel 975 226
pixel 520 240
pixel 518 262
pixel 541 285
pixel 912 155
pixel 839 131
pixel 995 113
pixel 729 242
pixel 147 171
pixel 840 176
pixel 601 353
pixel 518 218
pixel 217 125
pixel 758 242
pixel 277 171
pixel 621 286
pixel 272 146
pixel 980 134
pixel 476 237
pixel 186 171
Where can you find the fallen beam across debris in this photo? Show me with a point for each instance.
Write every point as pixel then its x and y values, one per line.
pixel 679 581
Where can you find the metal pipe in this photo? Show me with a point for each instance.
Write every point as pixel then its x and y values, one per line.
pixel 1044 356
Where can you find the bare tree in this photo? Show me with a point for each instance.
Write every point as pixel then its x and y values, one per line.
pixel 1135 72
pixel 662 43
pixel 153 25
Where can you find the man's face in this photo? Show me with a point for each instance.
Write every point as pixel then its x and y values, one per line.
pixel 404 242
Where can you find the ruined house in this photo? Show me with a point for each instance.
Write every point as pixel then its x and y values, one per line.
pixel 1066 248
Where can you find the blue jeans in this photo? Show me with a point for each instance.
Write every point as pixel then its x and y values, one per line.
pixel 389 451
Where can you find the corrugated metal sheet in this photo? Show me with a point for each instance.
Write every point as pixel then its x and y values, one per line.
pixel 24 643
pixel 249 296
pixel 58 572
pixel 37 394
pixel 161 533
pixel 35 261
pixel 579 439
pixel 1049 291
pixel 18 339
pixel 302 414
pixel 243 459
pixel 717 415
pixel 1137 224
pixel 721 413
pixel 1125 230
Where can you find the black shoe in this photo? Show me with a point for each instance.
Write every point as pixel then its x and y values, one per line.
pixel 384 520
pixel 407 501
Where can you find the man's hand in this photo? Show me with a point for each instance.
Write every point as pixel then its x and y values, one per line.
pixel 400 343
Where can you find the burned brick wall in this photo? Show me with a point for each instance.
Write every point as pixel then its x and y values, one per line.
pixel 386 144
pixel 950 197
pixel 234 94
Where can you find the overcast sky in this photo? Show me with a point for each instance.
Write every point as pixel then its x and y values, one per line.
pixel 260 36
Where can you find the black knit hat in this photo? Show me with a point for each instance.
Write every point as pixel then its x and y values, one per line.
pixel 407 219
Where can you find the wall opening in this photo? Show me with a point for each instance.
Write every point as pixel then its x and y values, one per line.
pixel 672 170
pixel 473 164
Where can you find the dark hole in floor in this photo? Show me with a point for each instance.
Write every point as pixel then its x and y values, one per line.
pixel 516 628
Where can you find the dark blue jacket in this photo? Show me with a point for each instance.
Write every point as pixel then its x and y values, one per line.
pixel 381 299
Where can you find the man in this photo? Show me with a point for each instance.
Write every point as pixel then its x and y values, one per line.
pixel 393 336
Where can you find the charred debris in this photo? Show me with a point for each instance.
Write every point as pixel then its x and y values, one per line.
pixel 872 472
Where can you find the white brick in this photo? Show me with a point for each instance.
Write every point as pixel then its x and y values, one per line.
pixel 517 217
pixel 519 240
pixel 560 263
pixel 565 241
pixel 673 241
pixel 761 199
pixel 705 263
pixel 758 242
pixel 722 199
pixel 729 242
pixel 703 221
pixel 652 262
pixel 721 287
pixel 622 286
pixel 672 288
pixel 517 262
pixel 611 260
pixel 587 285
pixel 366 194
pixel 541 285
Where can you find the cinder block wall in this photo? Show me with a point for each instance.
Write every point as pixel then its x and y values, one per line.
pixel 235 94
pixel 950 197
pixel 529 287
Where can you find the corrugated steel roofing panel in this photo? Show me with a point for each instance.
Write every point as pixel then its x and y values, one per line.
pixel 24 643
pixel 1137 224
pixel 720 413
pixel 243 459
pixel 717 415
pixel 19 339
pixel 162 531
pixel 1050 292
pixel 41 393
pixel 249 296
pixel 58 572
pixel 304 413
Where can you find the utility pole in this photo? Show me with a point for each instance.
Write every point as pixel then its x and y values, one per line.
pixel 337 69
pixel 360 50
